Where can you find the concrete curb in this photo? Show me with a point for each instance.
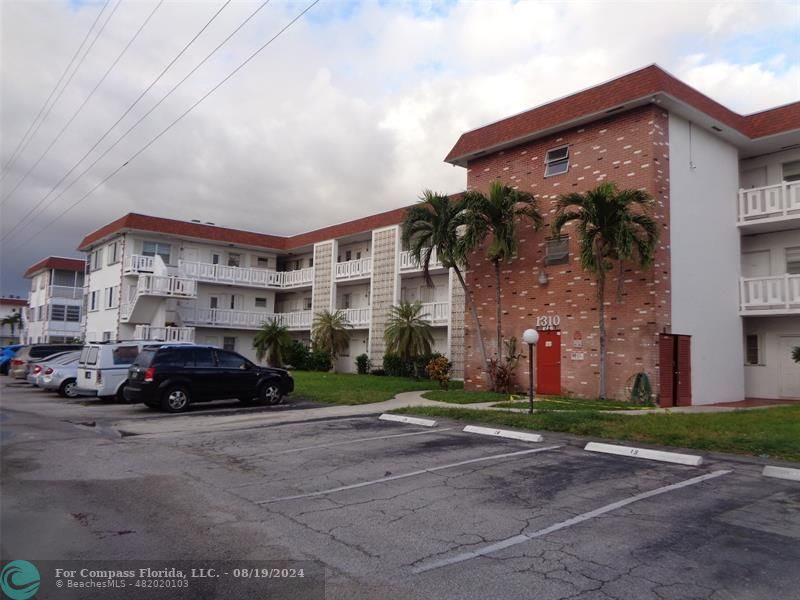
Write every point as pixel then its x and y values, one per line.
pixel 408 420
pixel 660 455
pixel 503 433
pixel 781 473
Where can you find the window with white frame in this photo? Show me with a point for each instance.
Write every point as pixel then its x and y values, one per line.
pixel 157 248
pixel 73 314
pixel 107 336
pixel 234 260
pixel 261 303
pixel 112 253
pixel 310 262
pixel 556 161
pixel 94 300
pixel 791 171
pixel 751 350
pixel 229 343
pixel 346 301
pixel 793 260
pixel 110 296
pixel 556 251
pixel 262 263
pixel 96 259
pixel 307 303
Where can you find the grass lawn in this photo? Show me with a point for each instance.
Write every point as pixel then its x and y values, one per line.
pixel 514 401
pixel 454 396
pixel 348 388
pixel 774 432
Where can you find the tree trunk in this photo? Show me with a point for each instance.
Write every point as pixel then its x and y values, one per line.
pixel 498 311
pixel 601 314
pixel 474 310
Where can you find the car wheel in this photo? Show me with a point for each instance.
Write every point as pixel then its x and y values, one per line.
pixel 270 393
pixel 121 392
pixel 175 399
pixel 68 389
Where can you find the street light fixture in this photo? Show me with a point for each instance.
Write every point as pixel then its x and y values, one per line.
pixel 530 337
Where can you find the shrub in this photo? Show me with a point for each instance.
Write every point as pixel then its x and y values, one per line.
pixel 378 372
pixel 438 369
pixel 394 365
pixel 502 375
pixel 362 364
pixel 297 355
pixel 319 360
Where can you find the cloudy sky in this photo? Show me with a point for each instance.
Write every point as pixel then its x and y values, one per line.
pixel 347 113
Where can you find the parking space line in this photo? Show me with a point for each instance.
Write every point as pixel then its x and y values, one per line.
pixel 366 439
pixel 526 537
pixel 405 475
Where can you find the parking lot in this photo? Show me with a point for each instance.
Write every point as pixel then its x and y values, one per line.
pixel 398 510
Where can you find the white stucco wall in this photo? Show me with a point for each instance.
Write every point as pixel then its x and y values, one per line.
pixel 769 378
pixel 705 259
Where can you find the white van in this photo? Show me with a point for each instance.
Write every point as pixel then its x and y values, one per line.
pixel 103 367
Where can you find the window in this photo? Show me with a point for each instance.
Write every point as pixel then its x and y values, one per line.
pixel 310 262
pixel 556 161
pixel 791 171
pixel 156 248
pixel 426 294
pixel 348 255
pixel 91 358
pixel 112 253
pixel 204 358
pixel 39 313
pixel 96 259
pixel 261 303
pixel 297 265
pixel 793 260
pixel 93 301
pixel 307 303
pixel 346 301
pixel 73 314
pixel 215 259
pixel 229 343
pixel 109 295
pixel 262 263
pixel 124 355
pixel 107 336
pixel 58 312
pixel 358 255
pixel 234 260
pixel 229 360
pixel 556 251
pixel 751 350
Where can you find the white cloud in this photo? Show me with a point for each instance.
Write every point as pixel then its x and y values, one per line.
pixel 349 113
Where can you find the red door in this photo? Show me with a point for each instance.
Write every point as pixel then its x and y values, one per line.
pixel 675 363
pixel 548 363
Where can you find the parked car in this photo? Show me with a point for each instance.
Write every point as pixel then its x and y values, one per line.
pixel 103 367
pixel 61 378
pixel 37 369
pixel 6 354
pixel 24 355
pixel 173 377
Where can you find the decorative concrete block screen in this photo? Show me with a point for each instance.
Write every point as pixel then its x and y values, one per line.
pixel 384 282
pixel 323 255
pixel 456 333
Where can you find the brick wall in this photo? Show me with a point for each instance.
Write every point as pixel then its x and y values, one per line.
pixel 631 149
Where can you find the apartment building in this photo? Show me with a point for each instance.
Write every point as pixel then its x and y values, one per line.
pixel 163 279
pixel 715 318
pixel 55 301
pixel 10 306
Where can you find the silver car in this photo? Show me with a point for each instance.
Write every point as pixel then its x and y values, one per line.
pixel 61 378
pixel 35 368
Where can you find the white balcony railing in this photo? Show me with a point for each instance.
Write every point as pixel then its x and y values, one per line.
pixel 353 269
pixel 242 319
pixel 438 313
pixel 136 263
pixel 164 334
pixel 245 276
pixel 407 262
pixel 164 285
pixel 774 202
pixel 66 291
pixel 774 295
pixel 357 317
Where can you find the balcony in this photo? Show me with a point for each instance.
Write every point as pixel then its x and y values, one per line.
pixel 244 276
pixel 778 295
pixel 137 263
pixel 165 285
pixel 65 291
pixel 164 334
pixel 354 269
pixel 357 317
pixel 438 313
pixel 770 208
pixel 242 319
pixel 408 264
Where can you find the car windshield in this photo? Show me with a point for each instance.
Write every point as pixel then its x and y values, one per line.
pixel 84 355
pixel 91 358
pixel 145 357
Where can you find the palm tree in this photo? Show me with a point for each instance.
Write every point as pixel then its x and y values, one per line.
pixel 12 320
pixel 407 332
pixel 272 341
pixel 612 225
pixel 497 215
pixel 434 223
pixel 330 333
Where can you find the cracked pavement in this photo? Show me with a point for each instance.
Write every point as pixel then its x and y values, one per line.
pixel 76 490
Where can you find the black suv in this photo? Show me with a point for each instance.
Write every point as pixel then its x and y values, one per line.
pixel 174 376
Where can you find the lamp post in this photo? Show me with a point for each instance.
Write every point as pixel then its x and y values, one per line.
pixel 530 337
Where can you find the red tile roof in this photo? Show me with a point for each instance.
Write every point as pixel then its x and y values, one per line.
pixel 57 262
pixel 634 86
pixel 13 302
pixel 137 222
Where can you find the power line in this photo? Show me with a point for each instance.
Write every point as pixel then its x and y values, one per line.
pixel 53 91
pixel 173 123
pixel 85 101
pixel 131 128
pixel 66 85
